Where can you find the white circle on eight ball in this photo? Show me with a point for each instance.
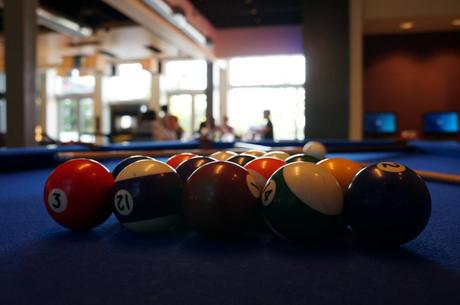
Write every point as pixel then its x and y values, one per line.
pixel 391 167
pixel 268 193
pixel 57 200
pixel 123 202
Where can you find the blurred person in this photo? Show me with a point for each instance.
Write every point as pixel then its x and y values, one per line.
pixel 150 128
pixel 228 133
pixel 209 129
pixel 144 130
pixel 226 128
pixel 171 122
pixel 267 131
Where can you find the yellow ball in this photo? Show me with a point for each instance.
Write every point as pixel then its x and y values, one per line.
pixel 253 152
pixel 343 170
pixel 223 155
pixel 277 154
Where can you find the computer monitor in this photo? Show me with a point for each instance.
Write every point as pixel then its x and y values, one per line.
pixel 441 123
pixel 380 123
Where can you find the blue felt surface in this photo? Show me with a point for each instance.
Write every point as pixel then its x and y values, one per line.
pixel 41 263
pixel 33 157
pixel 329 142
pixel 444 148
pixel 158 145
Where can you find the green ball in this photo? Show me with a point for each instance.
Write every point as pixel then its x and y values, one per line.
pixel 302 201
pixel 302 157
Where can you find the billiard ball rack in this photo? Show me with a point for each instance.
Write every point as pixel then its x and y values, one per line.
pixel 239 148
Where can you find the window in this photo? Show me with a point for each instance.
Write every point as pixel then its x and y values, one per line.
pixel 185 82
pixel 131 83
pixel 270 82
pixel 190 109
pixel 76 120
pixel 267 70
pixel 185 75
pixel 286 104
pixel 74 85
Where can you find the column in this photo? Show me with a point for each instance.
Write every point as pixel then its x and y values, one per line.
pixel 326 45
pixel 43 100
pixel 356 70
pixel 209 91
pixel 154 101
pixel 98 108
pixel 20 30
pixel 223 92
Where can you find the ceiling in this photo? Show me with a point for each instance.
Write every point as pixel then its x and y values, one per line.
pixel 90 13
pixel 244 13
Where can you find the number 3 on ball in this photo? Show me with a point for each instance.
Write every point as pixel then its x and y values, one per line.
pixel 57 200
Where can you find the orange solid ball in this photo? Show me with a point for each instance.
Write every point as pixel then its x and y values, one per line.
pixel 342 169
pixel 176 160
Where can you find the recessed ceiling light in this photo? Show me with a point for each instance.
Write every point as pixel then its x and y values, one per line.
pixel 406 25
pixel 456 22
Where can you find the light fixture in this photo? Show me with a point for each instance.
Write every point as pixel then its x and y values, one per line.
pixel 407 25
pixel 177 19
pixel 74 73
pixel 456 22
pixel 61 25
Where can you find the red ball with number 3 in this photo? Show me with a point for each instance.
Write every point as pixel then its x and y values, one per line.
pixel 78 194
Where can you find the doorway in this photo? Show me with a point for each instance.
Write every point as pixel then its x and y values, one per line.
pixel 190 109
pixel 76 119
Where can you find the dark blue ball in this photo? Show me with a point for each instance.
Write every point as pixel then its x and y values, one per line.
pixel 387 204
pixel 127 161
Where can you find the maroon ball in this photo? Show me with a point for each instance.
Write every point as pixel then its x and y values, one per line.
pixel 220 199
pixel 241 159
pixel 186 168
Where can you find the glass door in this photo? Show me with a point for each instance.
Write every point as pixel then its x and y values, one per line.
pixel 86 120
pixel 76 120
pixel 190 109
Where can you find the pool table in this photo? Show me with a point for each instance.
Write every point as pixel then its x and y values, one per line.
pixel 43 263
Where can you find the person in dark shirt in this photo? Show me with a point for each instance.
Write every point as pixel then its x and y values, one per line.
pixel 267 131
